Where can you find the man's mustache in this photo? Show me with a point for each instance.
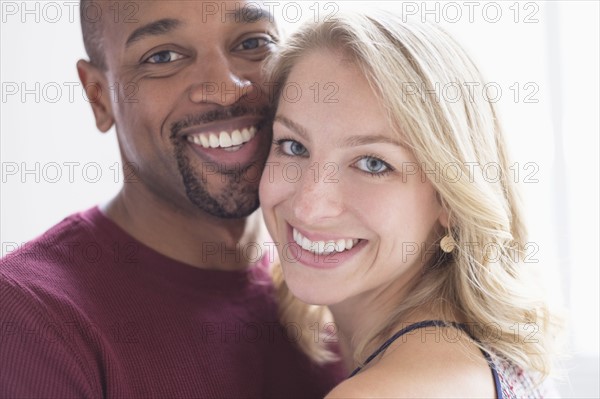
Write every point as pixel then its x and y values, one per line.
pixel 220 114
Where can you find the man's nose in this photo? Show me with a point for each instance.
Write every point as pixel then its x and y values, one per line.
pixel 214 81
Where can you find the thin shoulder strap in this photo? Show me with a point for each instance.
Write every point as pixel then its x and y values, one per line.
pixel 405 330
pixel 425 324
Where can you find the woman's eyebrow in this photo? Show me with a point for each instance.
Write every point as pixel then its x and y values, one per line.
pixel 354 141
pixel 290 124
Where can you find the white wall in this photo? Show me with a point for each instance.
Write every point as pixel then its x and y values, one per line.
pixel 45 130
pixel 548 52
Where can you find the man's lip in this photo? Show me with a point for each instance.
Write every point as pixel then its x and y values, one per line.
pixel 247 154
pixel 225 125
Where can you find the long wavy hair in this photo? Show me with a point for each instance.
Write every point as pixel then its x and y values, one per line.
pixel 458 140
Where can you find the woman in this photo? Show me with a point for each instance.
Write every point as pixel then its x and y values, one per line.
pixel 379 193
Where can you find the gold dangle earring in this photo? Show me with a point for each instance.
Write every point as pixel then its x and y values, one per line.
pixel 447 243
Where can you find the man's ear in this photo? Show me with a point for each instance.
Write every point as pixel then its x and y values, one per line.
pixel 96 90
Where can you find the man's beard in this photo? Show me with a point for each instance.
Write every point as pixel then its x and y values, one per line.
pixel 239 197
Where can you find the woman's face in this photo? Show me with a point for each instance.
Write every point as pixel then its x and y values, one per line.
pixel 342 197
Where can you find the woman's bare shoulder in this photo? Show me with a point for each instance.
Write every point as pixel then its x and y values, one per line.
pixel 434 363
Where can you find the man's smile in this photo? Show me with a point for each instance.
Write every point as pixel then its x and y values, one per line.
pixel 232 144
pixel 230 141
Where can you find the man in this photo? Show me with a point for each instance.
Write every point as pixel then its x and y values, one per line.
pixel 175 300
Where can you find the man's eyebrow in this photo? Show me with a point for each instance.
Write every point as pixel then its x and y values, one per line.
pixel 160 27
pixel 249 15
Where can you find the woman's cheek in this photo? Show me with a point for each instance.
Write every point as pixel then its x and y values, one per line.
pixel 271 189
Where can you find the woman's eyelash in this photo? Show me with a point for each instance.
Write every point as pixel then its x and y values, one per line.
pixel 278 150
pixel 279 141
pixel 279 144
pixel 389 169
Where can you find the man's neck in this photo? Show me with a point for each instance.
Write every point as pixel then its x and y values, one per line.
pixel 195 238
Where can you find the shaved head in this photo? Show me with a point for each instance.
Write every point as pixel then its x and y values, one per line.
pixel 91 27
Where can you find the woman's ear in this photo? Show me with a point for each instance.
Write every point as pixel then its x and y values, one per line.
pixel 444 218
pixel 96 90
pixel 444 213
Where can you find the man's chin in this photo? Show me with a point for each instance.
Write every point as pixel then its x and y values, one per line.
pixel 230 195
pixel 229 213
pixel 232 202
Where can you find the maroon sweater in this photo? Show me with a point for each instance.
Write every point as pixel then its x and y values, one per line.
pixel 88 311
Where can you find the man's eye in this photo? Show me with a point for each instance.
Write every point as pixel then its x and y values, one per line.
pixel 372 165
pixel 163 57
pixel 292 147
pixel 253 43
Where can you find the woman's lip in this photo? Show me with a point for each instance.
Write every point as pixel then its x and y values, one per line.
pixel 296 254
pixel 318 236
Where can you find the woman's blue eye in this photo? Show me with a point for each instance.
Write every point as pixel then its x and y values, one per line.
pixel 163 57
pixel 372 165
pixel 291 147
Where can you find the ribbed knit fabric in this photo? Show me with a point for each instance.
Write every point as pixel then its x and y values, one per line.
pixel 87 311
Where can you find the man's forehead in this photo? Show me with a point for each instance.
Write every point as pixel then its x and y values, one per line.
pixel 239 11
pixel 124 17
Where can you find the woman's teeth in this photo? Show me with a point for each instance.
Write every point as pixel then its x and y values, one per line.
pixel 323 247
pixel 224 139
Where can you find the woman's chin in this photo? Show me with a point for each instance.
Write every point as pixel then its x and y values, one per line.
pixel 311 293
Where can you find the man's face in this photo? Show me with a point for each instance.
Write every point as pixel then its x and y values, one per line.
pixel 189 100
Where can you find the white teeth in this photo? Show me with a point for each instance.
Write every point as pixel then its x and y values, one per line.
pixel 204 142
pixel 306 244
pixel 236 137
pixel 245 134
pixel 323 247
pixel 349 243
pixel 328 247
pixel 320 246
pixel 223 139
pixel 213 140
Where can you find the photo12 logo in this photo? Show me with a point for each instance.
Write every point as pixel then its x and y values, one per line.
pixel 68 171
pixel 471 11
pixel 71 92
pixel 68 11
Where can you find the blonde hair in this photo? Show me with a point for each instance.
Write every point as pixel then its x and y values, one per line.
pixel 405 62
